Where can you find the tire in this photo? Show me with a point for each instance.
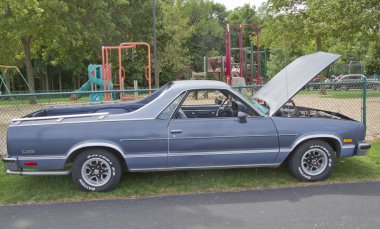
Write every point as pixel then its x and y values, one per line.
pixel 312 161
pixel 344 88
pixel 375 87
pixel 96 170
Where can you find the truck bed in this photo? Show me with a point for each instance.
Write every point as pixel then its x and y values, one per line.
pixel 111 108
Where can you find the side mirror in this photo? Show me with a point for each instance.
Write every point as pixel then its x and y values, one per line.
pixel 242 117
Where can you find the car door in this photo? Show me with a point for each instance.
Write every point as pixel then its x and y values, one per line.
pixel 221 141
pixel 145 150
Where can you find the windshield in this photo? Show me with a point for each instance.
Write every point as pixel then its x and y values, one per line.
pixel 254 103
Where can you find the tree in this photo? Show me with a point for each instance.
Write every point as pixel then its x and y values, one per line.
pixel 372 60
pixel 345 26
pixel 173 30
pixel 208 20
pixel 30 23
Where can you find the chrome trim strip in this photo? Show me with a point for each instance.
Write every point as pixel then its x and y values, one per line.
pixel 146 155
pixel 351 146
pixel 208 167
pixel 222 153
pixel 143 139
pixel 288 134
pixel 90 144
pixel 42 158
pixel 9 159
pixel 39 173
pixel 201 153
pixel 211 137
pixel 59 117
pixel 90 121
pixel 294 145
pixel 285 150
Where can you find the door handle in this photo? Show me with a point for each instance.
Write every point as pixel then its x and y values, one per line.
pixel 176 131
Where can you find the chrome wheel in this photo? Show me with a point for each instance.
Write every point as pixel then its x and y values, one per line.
pixel 314 162
pixel 96 172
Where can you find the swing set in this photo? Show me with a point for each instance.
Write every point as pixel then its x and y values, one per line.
pixel 106 67
pixel 8 75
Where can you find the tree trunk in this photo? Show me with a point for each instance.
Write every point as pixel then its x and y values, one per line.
pixel 26 42
pixel 60 80
pixel 46 79
pixel 318 41
pixel 74 82
pixel 52 84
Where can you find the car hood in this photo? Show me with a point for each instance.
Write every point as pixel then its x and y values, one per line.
pixel 283 86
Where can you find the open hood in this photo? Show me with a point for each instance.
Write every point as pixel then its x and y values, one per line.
pixel 290 80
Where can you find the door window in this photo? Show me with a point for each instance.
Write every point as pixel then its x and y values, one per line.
pixel 212 104
pixel 168 111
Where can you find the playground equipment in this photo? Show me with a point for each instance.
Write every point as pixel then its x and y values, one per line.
pixel 8 76
pixel 215 66
pixel 94 83
pixel 242 67
pixel 100 76
pixel 189 73
pixel 106 67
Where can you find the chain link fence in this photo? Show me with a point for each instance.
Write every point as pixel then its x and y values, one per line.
pixel 357 100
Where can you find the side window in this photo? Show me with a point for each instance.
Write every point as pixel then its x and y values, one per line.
pixel 168 111
pixel 212 104
pixel 204 98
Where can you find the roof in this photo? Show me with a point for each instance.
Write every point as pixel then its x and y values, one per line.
pixel 199 84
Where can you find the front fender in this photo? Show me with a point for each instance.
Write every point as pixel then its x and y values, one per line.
pixel 309 136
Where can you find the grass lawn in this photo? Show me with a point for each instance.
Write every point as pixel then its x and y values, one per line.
pixel 42 100
pixel 27 189
pixel 350 94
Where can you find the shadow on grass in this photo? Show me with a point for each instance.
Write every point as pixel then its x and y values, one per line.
pixel 18 189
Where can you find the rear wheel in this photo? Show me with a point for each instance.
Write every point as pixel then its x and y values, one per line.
pixel 312 161
pixel 96 170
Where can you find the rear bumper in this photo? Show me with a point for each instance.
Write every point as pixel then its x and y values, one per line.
pixel 11 163
pixel 362 148
pixel 12 168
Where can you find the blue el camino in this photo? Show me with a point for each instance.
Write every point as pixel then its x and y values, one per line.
pixel 188 125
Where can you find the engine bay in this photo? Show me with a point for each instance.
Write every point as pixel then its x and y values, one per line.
pixel 291 111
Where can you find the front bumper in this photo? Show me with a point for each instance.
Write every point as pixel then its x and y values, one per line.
pixel 362 148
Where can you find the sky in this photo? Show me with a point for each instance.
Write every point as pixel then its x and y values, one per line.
pixel 231 4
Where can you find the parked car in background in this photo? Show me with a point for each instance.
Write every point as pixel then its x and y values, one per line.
pixel 173 130
pixel 315 80
pixel 354 81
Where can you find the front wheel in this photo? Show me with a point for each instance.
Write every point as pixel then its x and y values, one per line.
pixel 344 88
pixel 312 161
pixel 96 170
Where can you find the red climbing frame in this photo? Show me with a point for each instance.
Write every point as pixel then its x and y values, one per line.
pixel 241 57
pixel 106 67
